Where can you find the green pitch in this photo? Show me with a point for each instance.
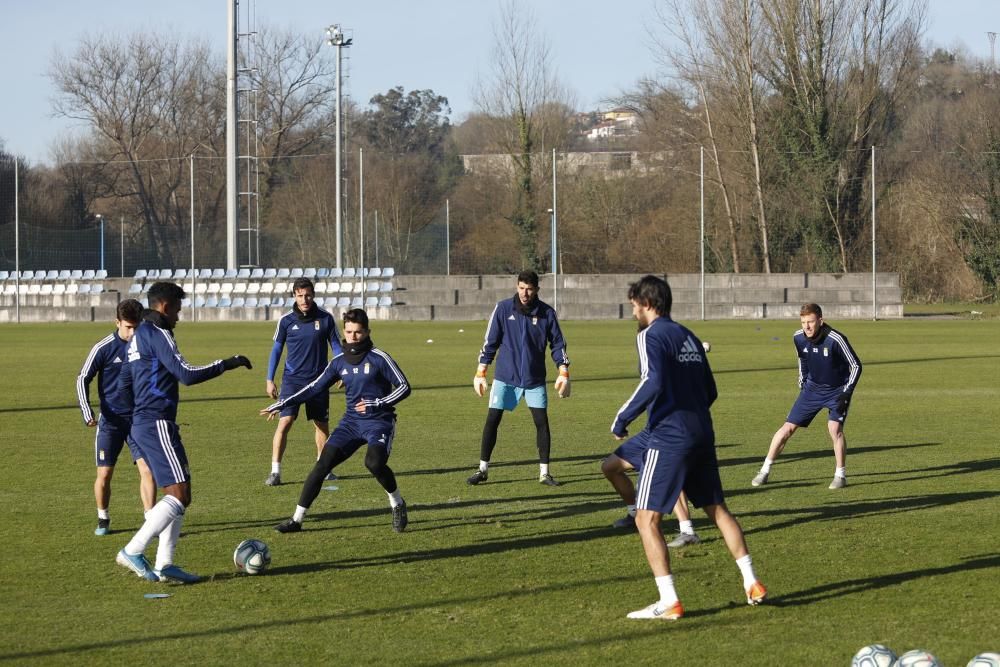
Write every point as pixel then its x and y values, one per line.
pixel 512 572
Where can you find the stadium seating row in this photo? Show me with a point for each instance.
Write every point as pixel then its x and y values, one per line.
pixel 284 302
pixel 64 275
pixel 262 274
pixel 30 289
pixel 323 288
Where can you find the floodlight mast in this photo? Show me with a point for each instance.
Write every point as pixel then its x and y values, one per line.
pixel 335 38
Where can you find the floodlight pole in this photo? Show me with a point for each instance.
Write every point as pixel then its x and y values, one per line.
pixel 361 220
pixel 874 274
pixel 701 234
pixel 232 190
pixel 17 243
pixel 447 237
pixel 335 38
pixel 553 221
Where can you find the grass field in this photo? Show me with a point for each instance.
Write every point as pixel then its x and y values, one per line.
pixel 512 572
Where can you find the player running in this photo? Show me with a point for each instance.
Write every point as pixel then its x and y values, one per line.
pixel 829 371
pixel 106 360
pixel 676 449
pixel 307 331
pixel 155 366
pixel 373 385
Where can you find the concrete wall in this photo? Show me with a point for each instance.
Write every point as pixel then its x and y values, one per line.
pixel 579 297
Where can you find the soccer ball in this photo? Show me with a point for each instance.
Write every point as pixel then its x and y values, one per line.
pixel 252 556
pixel 985 660
pixel 916 658
pixel 874 655
pixel 708 346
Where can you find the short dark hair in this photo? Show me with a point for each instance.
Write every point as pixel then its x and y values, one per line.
pixel 129 311
pixel 303 283
pixel 528 278
pixel 357 316
pixel 811 309
pixel 165 292
pixel 652 292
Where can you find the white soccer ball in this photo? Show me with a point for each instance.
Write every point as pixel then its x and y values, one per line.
pixel 917 658
pixel 989 659
pixel 252 556
pixel 708 346
pixel 430 340
pixel 874 655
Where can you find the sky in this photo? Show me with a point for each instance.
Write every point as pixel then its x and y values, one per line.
pixel 599 48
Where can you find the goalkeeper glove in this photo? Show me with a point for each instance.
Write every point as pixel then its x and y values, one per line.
pixel 562 383
pixel 235 362
pixel 479 382
pixel 843 402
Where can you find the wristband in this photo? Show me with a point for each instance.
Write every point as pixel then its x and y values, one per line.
pixel 564 372
pixel 480 374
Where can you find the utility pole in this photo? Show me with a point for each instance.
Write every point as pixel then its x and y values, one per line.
pixel 335 38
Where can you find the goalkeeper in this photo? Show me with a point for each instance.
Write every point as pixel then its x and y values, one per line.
pixel 516 335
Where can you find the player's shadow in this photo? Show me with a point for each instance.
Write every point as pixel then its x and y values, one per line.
pixel 469 469
pixel 787 457
pixel 853 586
pixel 845 510
pixel 485 547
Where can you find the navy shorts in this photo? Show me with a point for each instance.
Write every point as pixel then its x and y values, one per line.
pixel 811 401
pixel 161 446
pixel 351 434
pixel 317 408
pixel 112 434
pixel 666 468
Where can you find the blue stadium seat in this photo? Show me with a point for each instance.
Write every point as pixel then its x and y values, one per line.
pixel 296 273
pixel 336 273
pixel 257 274
pixel 251 302
pixel 229 274
pixel 75 274
pixel 243 274
pixel 284 273
pixel 180 274
pixel 349 273
pixel 344 302
pixel 238 302
pixel 218 274
pixel 140 274
pixel 389 272
pixel 371 302
pixel 63 275
pixel 88 274
pixel 136 288
pixel 322 272
pixel 374 272
pixel 4 274
pixel 385 301
pixel 225 302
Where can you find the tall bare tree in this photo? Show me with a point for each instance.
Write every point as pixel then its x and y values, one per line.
pixel 519 89
pixel 150 100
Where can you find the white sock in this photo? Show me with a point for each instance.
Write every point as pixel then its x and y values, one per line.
pixel 631 510
pixel 395 498
pixel 158 518
pixel 543 469
pixel 168 542
pixel 103 514
pixel 766 468
pixel 484 466
pixel 840 472
pixel 300 513
pixel 746 569
pixel 668 595
pixel 687 527
pixel 276 467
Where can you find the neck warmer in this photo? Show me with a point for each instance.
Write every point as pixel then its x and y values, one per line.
pixel 307 316
pixel 355 352
pixel 820 333
pixel 157 318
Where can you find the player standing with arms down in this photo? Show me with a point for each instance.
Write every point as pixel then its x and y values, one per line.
pixel 516 335
pixel 155 367
pixel 373 385
pixel 828 374
pixel 106 360
pixel 676 449
pixel 307 330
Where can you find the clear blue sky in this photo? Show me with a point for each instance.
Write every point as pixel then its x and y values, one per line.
pixel 599 48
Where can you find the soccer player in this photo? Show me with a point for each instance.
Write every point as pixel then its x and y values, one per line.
pixel 373 385
pixel 516 335
pixel 307 330
pixel 829 371
pixel 105 361
pixel 155 368
pixel 676 449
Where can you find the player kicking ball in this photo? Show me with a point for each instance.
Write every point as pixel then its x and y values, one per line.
pixel 373 385
pixel 676 450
